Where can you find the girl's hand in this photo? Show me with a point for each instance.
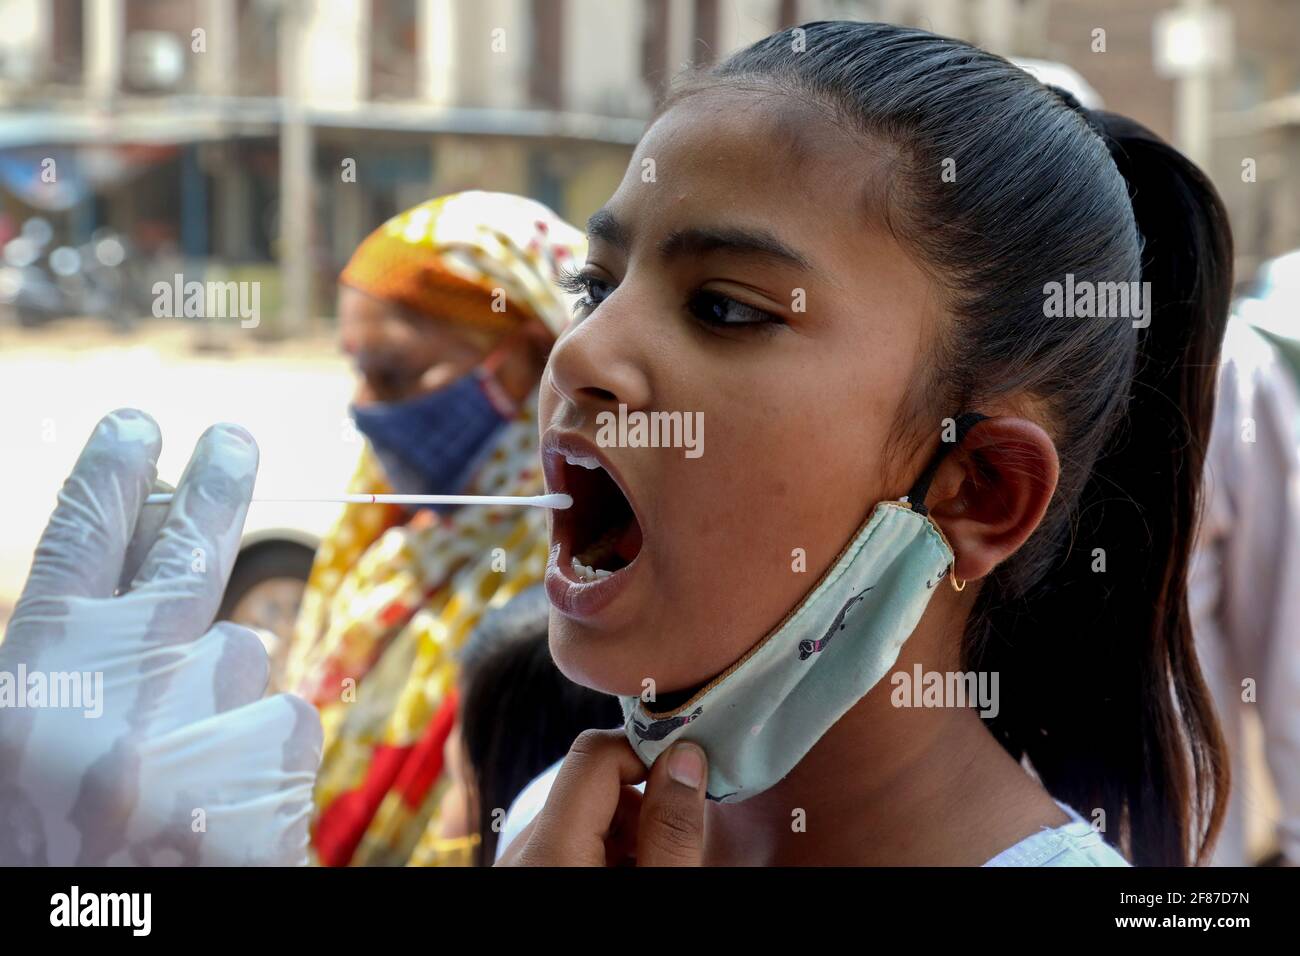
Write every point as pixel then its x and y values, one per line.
pixel 594 816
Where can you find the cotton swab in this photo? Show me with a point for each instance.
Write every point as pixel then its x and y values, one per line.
pixel 557 501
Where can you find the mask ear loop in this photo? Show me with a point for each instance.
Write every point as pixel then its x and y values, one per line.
pixel 916 497
pixel 505 404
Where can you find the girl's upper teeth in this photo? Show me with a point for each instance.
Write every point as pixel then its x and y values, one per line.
pixel 582 462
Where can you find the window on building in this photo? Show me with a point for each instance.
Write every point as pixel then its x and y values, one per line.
pixel 545 67
pixel 393 39
pixel 654 48
pixel 704 49
pixel 66 39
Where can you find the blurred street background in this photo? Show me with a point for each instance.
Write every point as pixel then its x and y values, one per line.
pixel 257 142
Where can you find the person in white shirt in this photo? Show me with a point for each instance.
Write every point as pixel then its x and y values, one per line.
pixel 1076 843
pixel 1245 584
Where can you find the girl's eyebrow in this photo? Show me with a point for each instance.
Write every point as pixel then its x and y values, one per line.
pixel 604 225
pixel 757 243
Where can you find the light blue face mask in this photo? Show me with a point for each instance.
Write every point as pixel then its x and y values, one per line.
pixel 760 717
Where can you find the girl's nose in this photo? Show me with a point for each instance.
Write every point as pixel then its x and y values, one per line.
pixel 593 366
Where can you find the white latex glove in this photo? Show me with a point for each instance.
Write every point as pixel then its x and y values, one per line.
pixel 187 763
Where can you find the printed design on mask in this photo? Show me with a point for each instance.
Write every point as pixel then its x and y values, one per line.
pixel 808 648
pixel 942 574
pixel 709 796
pixel 659 729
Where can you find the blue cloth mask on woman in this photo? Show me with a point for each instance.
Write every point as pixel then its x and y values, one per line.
pixel 433 444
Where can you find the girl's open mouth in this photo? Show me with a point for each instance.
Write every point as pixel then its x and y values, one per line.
pixel 604 535
pixel 596 541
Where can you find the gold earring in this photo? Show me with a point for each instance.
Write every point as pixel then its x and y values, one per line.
pixel 955 586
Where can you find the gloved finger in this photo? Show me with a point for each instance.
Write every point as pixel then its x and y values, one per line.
pixel 196 547
pixel 80 553
pixel 147 527
pixel 227 668
pixel 249 774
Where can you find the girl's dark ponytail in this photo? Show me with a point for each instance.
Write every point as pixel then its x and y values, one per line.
pixel 1135 732
pixel 1006 189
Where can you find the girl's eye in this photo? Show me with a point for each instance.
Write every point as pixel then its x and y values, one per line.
pixel 713 308
pixel 593 291
pixel 710 308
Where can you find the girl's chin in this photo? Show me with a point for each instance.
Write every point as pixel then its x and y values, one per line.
pixel 593 660
pixel 585 657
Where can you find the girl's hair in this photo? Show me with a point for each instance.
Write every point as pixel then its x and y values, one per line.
pixel 518 713
pixel 1000 185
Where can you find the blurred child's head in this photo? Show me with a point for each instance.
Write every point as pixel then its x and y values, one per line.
pixel 518 715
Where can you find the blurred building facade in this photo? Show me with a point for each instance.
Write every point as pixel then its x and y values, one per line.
pixel 272 135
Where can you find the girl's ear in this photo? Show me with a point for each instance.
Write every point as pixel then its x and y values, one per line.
pixel 990 492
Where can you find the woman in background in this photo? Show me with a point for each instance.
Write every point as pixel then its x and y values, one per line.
pixel 448 312
pixel 1244 587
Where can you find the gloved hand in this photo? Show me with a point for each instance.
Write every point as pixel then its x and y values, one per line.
pixel 177 759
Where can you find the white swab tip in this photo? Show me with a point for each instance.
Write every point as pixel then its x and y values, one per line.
pixel 558 501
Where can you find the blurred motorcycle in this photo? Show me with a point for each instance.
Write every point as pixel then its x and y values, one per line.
pixel 39 283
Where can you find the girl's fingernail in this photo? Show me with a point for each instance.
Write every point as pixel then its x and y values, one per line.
pixel 686 765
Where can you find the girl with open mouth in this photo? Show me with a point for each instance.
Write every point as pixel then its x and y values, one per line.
pixel 835 246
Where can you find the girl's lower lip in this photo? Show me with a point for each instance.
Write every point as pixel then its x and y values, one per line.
pixel 582 600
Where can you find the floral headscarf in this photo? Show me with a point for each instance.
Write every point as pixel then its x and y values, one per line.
pixel 388 603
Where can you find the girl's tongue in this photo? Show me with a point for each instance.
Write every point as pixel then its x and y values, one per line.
pixel 614 549
pixel 605 533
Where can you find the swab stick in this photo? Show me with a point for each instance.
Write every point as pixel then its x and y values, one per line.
pixel 556 501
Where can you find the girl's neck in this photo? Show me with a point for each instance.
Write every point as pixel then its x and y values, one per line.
pixel 888 786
